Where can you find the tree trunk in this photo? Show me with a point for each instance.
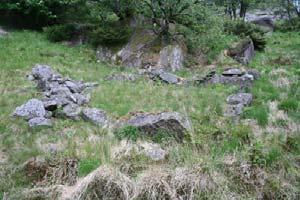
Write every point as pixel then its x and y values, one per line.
pixel 243 9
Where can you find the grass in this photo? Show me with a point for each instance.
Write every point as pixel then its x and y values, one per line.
pixel 212 139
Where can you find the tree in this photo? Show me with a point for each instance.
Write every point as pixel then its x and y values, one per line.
pixel 163 13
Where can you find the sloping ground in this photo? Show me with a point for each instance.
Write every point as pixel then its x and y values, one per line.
pixel 257 158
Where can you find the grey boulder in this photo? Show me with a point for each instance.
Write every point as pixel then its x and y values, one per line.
pixel 39 121
pixel 72 111
pixel 232 72
pixel 164 76
pixel 32 109
pixel 95 116
pixel 151 124
pixel 42 72
pixel 171 57
pixel 240 98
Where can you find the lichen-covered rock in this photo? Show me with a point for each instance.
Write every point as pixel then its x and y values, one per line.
pixel 171 57
pixel 72 111
pixel 240 98
pixel 42 72
pixel 152 123
pixel 39 121
pixel 32 109
pixel 96 116
pixel 243 52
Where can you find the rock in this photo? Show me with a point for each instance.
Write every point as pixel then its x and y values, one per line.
pixel 171 57
pixel 243 52
pixel 3 32
pixel 72 111
pixel 267 23
pixel 244 81
pixel 104 54
pixel 40 72
pixel 165 76
pixel 32 109
pixel 153 151
pixel 79 99
pixel 122 77
pixel 240 98
pixel 254 73
pixel 234 110
pixel 96 116
pixel 50 105
pixel 232 72
pixel 39 121
pixel 151 124
pixel 75 87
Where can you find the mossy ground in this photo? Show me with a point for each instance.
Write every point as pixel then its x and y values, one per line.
pixel 214 138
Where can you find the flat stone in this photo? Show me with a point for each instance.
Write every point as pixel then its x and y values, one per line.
pixel 164 76
pixel 170 122
pixel 39 121
pixel 95 116
pixel 32 109
pixel 79 99
pixel 232 72
pixel 240 98
pixel 75 87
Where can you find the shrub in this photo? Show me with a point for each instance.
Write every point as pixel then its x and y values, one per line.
pixel 110 34
pixel 244 29
pixel 60 33
pixel 288 25
pixel 128 132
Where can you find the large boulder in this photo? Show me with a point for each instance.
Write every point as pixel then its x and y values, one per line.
pixel 171 57
pixel 152 123
pixel 32 109
pixel 42 72
pixel 243 52
pixel 96 116
pixel 267 23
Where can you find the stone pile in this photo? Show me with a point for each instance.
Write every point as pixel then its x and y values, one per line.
pixel 61 97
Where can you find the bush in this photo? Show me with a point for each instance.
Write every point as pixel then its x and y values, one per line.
pixel 110 34
pixel 244 29
pixel 288 25
pixel 60 33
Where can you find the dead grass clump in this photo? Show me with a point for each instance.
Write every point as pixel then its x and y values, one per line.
pixel 189 182
pixel 104 183
pixel 53 192
pixel 154 184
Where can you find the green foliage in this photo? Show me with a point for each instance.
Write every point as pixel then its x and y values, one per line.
pixel 58 33
pixel 290 104
pixel 288 25
pixel 244 29
pixel 128 132
pixel 110 34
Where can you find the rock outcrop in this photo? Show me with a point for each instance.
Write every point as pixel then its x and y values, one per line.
pixel 266 23
pixel 171 57
pixel 96 116
pixel 243 52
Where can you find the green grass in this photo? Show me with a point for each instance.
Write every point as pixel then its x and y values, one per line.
pixel 212 138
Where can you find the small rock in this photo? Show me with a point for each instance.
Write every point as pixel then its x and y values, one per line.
pixel 39 121
pixel 74 87
pixel 32 109
pixel 96 116
pixel 240 98
pixel 153 151
pixel 42 72
pixel 165 76
pixel 79 99
pixel 151 124
pixel 72 111
pixel 254 73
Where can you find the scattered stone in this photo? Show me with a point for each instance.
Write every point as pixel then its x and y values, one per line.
pixel 240 98
pixel 151 124
pixel 32 109
pixel 96 116
pixel 243 52
pixel 232 72
pixel 122 77
pixel 171 57
pixel 72 111
pixel 165 77
pixel 39 121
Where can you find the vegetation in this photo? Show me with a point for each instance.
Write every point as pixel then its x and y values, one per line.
pixel 258 157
